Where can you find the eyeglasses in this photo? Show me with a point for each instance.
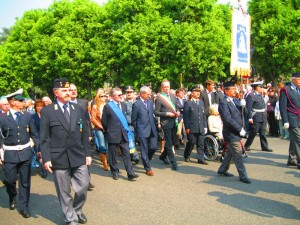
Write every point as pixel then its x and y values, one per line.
pixel 19 100
pixel 102 96
pixel 119 95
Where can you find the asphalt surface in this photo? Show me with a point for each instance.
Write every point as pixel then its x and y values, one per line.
pixel 194 194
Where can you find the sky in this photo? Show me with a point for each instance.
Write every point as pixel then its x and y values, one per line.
pixel 12 9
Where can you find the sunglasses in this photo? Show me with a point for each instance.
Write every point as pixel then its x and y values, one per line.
pixel 101 96
pixel 19 100
pixel 119 95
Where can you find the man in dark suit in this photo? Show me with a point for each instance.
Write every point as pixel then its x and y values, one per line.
pixel 209 96
pixel 66 150
pixel 289 104
pixel 257 117
pixel 84 105
pixel 117 134
pixel 130 99
pixel 195 125
pixel 17 128
pixel 143 121
pixel 180 135
pixel 166 109
pixel 232 132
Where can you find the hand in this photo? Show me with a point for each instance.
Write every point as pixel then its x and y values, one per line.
pixel 39 154
pixel 251 121
pixel 48 166
pixel 242 132
pixel 159 126
pixel 286 125
pixel 0 162
pixel 187 131
pixel 205 130
pixel 88 161
pixel 243 102
pixel 170 114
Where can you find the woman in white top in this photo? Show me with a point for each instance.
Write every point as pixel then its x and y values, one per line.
pixel 215 124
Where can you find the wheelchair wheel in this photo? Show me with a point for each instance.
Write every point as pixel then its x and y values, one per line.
pixel 211 147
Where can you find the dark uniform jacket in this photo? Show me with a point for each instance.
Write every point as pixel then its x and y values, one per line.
pixel 143 119
pixel 194 117
pixel 161 109
pixel 255 101
pixel 232 120
pixel 65 145
pixel 18 134
pixel 114 131
pixel 285 105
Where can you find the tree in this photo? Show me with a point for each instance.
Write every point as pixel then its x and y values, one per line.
pixel 275 37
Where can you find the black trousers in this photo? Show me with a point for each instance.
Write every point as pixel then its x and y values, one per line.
pixel 198 140
pixel 11 171
pixel 169 135
pixel 254 128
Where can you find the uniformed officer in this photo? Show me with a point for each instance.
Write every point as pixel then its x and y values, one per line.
pixel 17 128
pixel 195 124
pixel 289 105
pixel 257 117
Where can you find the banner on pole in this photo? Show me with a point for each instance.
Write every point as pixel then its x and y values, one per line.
pixel 240 44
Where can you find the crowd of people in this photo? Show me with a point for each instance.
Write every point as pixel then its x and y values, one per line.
pixel 122 121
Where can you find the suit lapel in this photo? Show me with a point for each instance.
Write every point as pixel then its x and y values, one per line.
pixel 11 118
pixel 60 116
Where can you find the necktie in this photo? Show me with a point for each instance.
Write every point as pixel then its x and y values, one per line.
pixel 146 103
pixel 66 113
pixel 17 117
pixel 119 105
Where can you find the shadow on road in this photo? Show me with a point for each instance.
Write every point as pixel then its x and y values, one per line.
pixel 257 205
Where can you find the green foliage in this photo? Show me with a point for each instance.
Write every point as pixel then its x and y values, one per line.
pixel 123 42
pixel 276 37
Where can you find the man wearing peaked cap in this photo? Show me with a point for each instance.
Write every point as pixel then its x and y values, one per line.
pixel 130 99
pixel 195 124
pixel 289 105
pixel 17 128
pixel 257 117
pixel 66 150
pixel 233 132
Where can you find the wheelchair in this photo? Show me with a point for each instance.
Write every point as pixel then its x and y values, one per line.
pixel 213 146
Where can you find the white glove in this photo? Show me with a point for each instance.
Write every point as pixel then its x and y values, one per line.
pixel 286 125
pixel 242 132
pixel 243 102
pixel 205 130
pixel 1 155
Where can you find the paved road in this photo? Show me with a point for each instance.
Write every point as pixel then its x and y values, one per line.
pixel 193 195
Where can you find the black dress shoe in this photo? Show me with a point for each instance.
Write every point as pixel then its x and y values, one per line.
pixel 25 214
pixel 174 166
pixel 226 174
pixel 44 174
pixel 291 164
pixel 115 176
pixel 12 204
pixel 136 161
pixel 187 159
pixel 165 160
pixel 132 176
pixel 202 162
pixel 82 219
pixel 267 150
pixel 245 180
pixel 247 149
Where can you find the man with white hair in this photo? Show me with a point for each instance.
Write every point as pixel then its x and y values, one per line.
pixel 47 100
pixel 4 105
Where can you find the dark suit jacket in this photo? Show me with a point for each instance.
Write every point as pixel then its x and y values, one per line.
pixel 143 119
pixel 161 109
pixel 114 131
pixel 284 104
pixel 232 120
pixel 215 99
pixel 65 145
pixel 180 108
pixel 254 101
pixel 84 104
pixel 194 117
pixel 15 134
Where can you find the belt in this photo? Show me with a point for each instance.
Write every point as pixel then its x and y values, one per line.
pixel 16 147
pixel 258 110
